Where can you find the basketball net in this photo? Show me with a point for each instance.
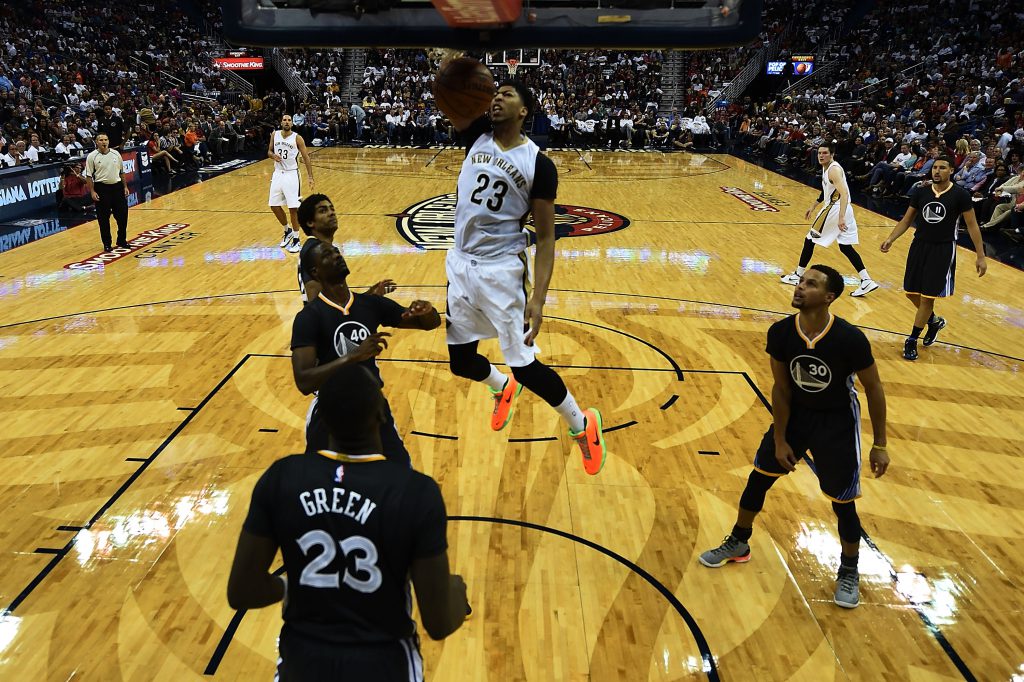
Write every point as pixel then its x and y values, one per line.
pixel 512 65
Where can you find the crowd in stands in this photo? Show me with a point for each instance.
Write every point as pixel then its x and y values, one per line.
pixel 592 98
pixel 950 82
pixel 70 70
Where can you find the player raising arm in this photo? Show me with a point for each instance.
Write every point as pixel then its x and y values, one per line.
pixel 505 178
pixel 341 328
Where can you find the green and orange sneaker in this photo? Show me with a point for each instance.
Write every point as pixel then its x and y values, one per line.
pixel 591 441
pixel 504 403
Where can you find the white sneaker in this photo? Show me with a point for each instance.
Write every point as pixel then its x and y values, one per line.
pixel 286 238
pixel 866 287
pixel 295 245
pixel 792 278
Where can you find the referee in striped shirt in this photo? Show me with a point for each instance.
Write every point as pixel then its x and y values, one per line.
pixel 105 175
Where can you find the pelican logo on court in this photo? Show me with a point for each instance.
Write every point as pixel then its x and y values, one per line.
pixel 430 224
pixel 934 212
pixel 348 336
pixel 810 374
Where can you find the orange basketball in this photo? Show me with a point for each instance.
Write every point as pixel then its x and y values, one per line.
pixel 463 88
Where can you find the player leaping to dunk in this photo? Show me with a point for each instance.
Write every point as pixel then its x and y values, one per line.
pixel 504 178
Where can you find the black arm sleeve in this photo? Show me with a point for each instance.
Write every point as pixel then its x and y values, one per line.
pixel 775 345
pixel 304 328
pixel 545 179
pixel 390 312
pixel 479 127
pixel 431 521
pixel 260 519
pixel 860 351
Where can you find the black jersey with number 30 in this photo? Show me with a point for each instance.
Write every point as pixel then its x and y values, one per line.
pixel 821 369
pixel 349 528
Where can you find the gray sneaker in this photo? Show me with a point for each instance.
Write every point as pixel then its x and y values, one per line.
pixel 847 589
pixel 730 550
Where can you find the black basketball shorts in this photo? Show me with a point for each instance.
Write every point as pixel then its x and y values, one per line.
pixel 833 438
pixel 931 269
pixel 304 660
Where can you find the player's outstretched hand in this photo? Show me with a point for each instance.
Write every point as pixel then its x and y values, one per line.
pixel 786 456
pixel 886 245
pixel 385 286
pixel 418 308
pixel 458 592
pixel 371 347
pixel 981 266
pixel 879 461
pixel 534 318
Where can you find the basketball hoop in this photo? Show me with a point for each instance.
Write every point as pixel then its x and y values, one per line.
pixel 512 65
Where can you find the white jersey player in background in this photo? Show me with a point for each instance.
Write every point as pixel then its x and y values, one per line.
pixel 833 221
pixel 285 148
pixel 503 179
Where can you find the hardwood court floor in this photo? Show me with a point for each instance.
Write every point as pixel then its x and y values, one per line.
pixel 141 401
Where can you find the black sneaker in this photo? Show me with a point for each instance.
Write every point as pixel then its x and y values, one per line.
pixel 910 349
pixel 933 330
pixel 107 248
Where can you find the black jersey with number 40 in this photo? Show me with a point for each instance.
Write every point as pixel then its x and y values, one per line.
pixel 336 330
pixel 821 369
pixel 349 528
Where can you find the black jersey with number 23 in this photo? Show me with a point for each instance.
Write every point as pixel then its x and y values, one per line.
pixel 349 528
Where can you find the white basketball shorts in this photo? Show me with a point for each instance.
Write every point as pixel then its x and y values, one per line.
pixel 284 189
pixel 825 228
pixel 487 299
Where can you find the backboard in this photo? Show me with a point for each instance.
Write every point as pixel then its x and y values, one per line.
pixel 628 24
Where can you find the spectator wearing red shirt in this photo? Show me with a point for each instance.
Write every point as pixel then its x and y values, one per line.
pixel 74 192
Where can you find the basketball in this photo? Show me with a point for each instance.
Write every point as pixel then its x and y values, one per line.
pixel 463 88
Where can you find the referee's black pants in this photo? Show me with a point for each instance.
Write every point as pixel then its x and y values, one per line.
pixel 112 200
